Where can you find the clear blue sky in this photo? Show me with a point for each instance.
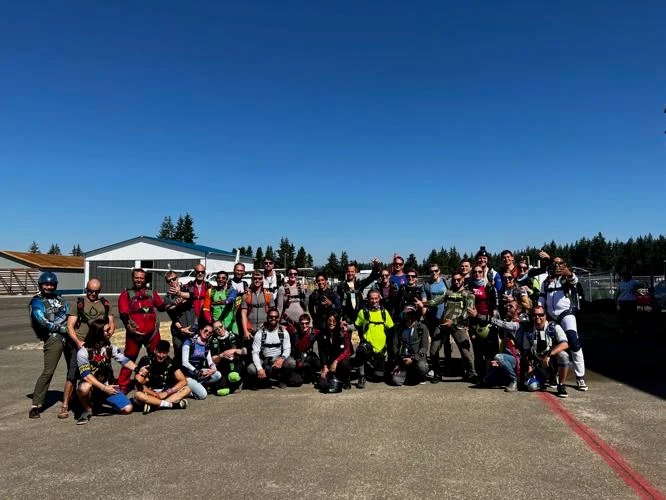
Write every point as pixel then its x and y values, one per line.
pixel 370 127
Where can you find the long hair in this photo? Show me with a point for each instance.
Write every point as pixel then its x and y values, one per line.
pixel 95 337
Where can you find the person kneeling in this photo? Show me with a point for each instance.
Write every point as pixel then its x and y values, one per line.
pixel 160 383
pixel 410 348
pixel 97 382
pixel 271 350
pixel 228 351
pixel 198 365
pixel 335 348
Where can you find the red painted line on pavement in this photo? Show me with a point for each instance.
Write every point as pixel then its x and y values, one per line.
pixel 612 457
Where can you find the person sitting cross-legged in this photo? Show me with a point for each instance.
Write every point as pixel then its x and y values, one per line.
pixel 198 365
pixel 161 384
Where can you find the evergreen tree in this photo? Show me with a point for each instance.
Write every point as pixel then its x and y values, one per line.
pixel 34 247
pixel 342 265
pixel 249 252
pixel 286 253
pixel 309 261
pixel 301 259
pixel 167 229
pixel 259 258
pixel 270 253
pixel 332 267
pixel 76 251
pixel 188 235
pixel 179 231
pixel 411 262
pixel 54 250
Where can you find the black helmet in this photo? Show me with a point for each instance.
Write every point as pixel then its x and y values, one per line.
pixel 47 277
pixel 333 384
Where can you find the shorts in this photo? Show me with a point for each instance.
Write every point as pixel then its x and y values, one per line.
pixel 118 401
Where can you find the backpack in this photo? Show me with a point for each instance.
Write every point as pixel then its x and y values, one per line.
pixel 264 333
pixel 267 298
pixel 366 316
pixel 135 299
pixel 81 317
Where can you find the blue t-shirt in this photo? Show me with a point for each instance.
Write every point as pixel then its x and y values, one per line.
pixel 398 280
pixel 436 289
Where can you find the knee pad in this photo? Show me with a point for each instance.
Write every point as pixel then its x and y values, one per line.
pixel 574 342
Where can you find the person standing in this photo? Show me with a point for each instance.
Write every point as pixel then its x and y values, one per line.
pixel 627 302
pixel 137 307
pixel 48 318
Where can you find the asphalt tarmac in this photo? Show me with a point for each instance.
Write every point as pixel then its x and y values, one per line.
pixel 447 440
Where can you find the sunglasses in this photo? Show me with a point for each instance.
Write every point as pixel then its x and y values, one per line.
pixel 199 272
pixel 457 279
pixel 91 292
pixel 258 279
pixel 523 268
pixel 274 317
pixel 411 275
pixel 537 315
pixel 507 278
pixel 171 280
pixel 434 271
pixel 385 275
pixel 293 274
pixel 477 272
pixel 398 263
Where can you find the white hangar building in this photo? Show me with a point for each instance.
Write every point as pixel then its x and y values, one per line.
pixel 113 263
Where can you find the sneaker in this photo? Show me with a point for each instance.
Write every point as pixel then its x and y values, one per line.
pixel 147 409
pixel 562 391
pixel 361 383
pixel 63 413
pixel 234 377
pixel 182 404
pixel 221 392
pixel 423 382
pixel 512 387
pixel 84 418
pixel 430 374
pixel 436 379
pixel 34 412
pixel 282 385
pixel 346 386
pixel 581 385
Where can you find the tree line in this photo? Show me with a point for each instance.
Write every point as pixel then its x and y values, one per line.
pixel 644 255
pixel 54 249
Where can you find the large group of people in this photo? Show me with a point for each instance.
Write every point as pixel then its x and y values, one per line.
pixel 514 328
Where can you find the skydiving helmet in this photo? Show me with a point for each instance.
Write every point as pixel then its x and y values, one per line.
pixel 47 277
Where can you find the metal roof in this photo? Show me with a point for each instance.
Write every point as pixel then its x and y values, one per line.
pixel 189 246
pixel 45 260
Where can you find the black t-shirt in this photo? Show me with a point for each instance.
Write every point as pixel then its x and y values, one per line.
pixel 160 375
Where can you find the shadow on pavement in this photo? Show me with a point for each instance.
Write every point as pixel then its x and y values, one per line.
pixel 636 360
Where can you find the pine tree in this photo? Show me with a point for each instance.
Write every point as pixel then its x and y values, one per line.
pixel 167 229
pixel 332 267
pixel 301 259
pixel 411 262
pixel 54 250
pixel 188 235
pixel 270 253
pixel 76 251
pixel 259 258
pixel 248 251
pixel 34 247
pixel 309 261
pixel 342 266
pixel 286 253
pixel 179 231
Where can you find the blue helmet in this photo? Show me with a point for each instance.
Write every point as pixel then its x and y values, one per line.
pixel 47 277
